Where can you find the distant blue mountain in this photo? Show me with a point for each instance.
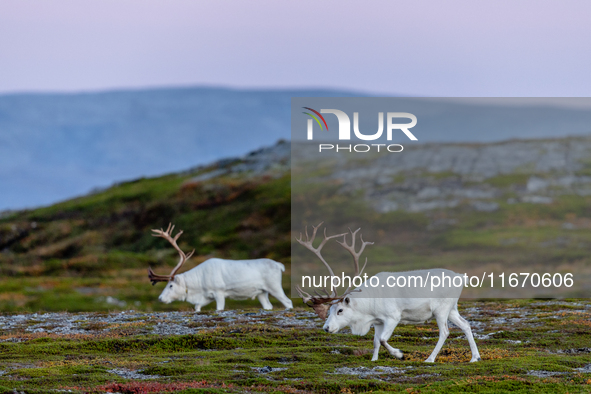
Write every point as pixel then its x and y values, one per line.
pixel 56 146
pixel 465 120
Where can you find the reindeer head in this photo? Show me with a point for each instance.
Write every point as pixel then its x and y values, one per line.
pixel 175 288
pixel 321 303
pixel 341 315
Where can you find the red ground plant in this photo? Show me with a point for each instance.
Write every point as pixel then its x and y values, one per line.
pixel 144 387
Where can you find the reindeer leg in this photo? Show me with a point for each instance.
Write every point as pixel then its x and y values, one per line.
pixel 376 340
pixel 277 292
pixel 455 318
pixel 389 326
pixel 443 333
pixel 264 300
pixel 219 301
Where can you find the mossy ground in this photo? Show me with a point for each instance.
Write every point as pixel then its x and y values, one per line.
pixel 525 345
pixel 92 254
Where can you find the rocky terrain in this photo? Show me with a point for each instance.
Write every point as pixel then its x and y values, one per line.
pixel 481 176
pixel 427 177
pixel 538 346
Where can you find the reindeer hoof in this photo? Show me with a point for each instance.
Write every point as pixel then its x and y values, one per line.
pixel 399 355
pixel 475 360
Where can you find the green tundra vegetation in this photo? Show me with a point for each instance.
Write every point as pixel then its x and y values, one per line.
pixel 91 254
pixel 72 255
pixel 526 346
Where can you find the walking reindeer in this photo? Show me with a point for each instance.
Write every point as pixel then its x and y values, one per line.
pixel 216 279
pixel 385 308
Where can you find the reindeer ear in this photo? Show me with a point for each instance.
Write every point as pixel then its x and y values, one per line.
pixel 179 280
pixel 347 300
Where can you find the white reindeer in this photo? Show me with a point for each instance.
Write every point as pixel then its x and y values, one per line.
pixel 385 308
pixel 216 279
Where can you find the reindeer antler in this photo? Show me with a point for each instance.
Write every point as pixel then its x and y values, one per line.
pixel 321 302
pixel 182 256
pixel 317 251
pixel 351 249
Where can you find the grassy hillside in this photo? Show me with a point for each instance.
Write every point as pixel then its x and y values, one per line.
pixel 514 206
pixel 75 255
pixel 526 237
pixel 92 253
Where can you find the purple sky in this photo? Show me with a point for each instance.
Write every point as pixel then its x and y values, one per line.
pixel 446 48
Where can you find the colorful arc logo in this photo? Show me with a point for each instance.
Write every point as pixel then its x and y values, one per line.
pixel 315 118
